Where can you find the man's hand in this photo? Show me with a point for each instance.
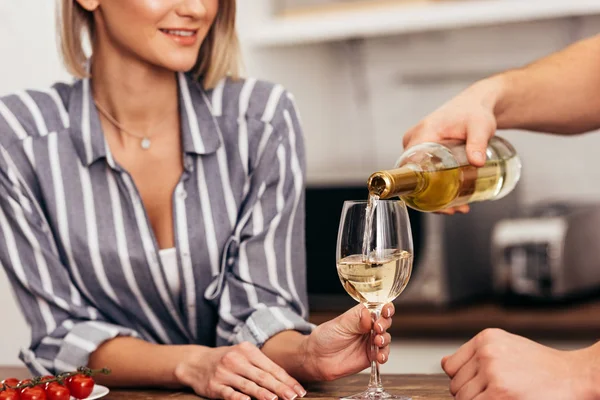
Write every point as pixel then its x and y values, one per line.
pixel 498 365
pixel 467 117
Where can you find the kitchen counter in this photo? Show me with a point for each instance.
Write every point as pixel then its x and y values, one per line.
pixel 419 387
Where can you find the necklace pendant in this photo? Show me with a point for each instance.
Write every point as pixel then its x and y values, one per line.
pixel 145 143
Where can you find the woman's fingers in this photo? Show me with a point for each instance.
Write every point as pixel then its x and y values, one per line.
pixel 383 355
pixel 268 381
pixel 244 386
pixel 385 321
pixel 264 363
pixel 228 393
pixel 388 310
pixel 384 340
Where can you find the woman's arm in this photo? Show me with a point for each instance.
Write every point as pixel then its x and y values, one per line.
pixel 228 372
pixel 135 362
pixel 65 327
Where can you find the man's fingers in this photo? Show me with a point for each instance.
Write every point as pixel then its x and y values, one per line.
pixel 464 375
pixel 471 389
pixel 463 209
pixel 453 363
pixel 480 130
pixel 419 134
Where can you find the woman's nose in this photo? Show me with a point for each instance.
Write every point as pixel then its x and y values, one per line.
pixel 192 8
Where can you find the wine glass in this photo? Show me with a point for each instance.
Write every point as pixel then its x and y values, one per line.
pixel 374 263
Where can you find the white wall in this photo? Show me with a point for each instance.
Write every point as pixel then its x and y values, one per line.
pixel 348 133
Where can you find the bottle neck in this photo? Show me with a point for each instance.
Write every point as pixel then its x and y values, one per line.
pixel 393 182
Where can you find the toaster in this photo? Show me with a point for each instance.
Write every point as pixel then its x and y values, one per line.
pixel 550 253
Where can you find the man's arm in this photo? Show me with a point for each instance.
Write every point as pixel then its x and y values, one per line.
pixel 559 93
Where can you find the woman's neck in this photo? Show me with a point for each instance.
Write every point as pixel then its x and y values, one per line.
pixel 139 96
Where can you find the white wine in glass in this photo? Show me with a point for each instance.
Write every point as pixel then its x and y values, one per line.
pixel 374 263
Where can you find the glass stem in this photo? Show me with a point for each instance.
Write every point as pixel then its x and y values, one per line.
pixel 375 380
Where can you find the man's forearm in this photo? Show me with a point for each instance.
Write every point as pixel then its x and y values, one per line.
pixel 134 362
pixel 556 94
pixel 587 376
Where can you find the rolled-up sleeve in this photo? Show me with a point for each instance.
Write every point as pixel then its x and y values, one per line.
pixel 65 327
pixel 265 284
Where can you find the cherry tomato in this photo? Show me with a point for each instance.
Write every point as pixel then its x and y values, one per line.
pixel 12 382
pixel 33 393
pixel 56 391
pixel 9 394
pixel 24 382
pixel 46 378
pixel 80 386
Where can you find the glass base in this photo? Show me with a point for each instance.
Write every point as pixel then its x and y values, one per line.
pixel 375 394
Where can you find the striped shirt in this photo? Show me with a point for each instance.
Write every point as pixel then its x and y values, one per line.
pixel 80 253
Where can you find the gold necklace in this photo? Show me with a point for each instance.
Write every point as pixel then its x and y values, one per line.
pixel 145 139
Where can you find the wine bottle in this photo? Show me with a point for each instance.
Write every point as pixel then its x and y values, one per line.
pixel 435 176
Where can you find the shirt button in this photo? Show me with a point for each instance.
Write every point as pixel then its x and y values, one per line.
pixel 189 164
pixel 182 194
pixel 185 254
pixel 230 261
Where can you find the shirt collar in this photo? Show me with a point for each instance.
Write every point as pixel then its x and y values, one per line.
pixel 199 127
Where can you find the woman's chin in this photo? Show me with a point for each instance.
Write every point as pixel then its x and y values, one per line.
pixel 175 64
pixel 179 66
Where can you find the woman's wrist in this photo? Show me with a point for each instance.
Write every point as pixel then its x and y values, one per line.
pixel 308 370
pixel 135 362
pixel 185 368
pixel 290 350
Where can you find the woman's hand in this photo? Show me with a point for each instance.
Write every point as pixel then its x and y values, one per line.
pixel 469 116
pixel 499 365
pixel 239 372
pixel 342 346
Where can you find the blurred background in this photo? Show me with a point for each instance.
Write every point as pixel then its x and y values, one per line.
pixel 362 73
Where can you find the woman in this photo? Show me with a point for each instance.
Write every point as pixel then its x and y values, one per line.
pixel 151 213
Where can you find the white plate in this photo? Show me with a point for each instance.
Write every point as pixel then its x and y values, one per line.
pixel 98 392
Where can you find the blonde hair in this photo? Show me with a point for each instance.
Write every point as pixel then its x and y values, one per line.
pixel 218 58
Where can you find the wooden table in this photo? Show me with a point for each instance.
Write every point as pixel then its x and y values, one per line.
pixel 419 387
